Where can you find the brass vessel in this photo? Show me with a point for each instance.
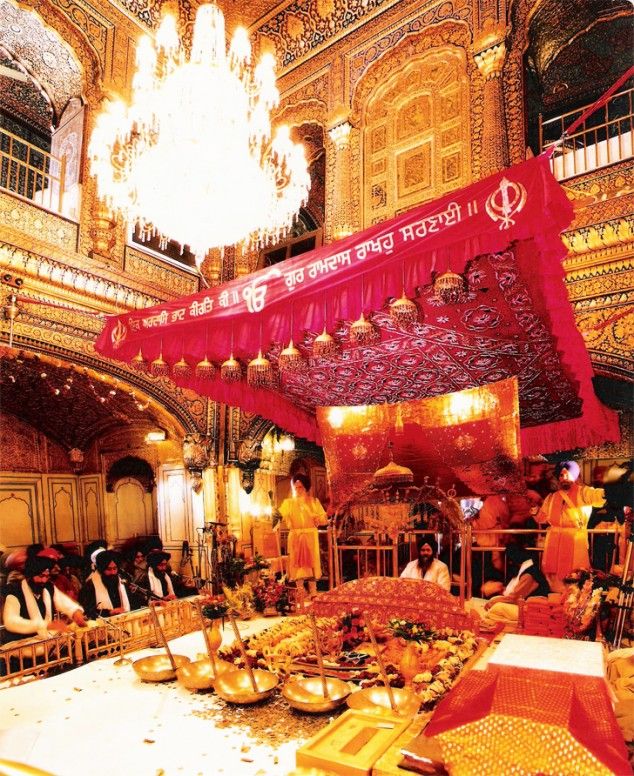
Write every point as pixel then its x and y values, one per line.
pixel 376 700
pixel 236 686
pixel 306 693
pixel 200 675
pixel 158 668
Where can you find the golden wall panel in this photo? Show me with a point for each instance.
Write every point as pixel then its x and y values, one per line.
pixel 62 509
pixel 20 446
pixel 91 506
pixel 21 510
pixel 174 506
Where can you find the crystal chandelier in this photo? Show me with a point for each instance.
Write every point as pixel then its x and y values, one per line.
pixel 192 158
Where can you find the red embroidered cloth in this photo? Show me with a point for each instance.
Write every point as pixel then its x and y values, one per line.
pixel 503 232
pixel 516 720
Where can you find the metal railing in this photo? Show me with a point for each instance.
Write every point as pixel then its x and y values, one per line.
pixel 30 172
pixel 606 137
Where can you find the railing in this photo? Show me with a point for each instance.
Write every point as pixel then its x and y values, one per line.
pixel 606 137
pixel 31 173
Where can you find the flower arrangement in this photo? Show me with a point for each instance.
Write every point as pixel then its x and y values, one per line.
pixel 582 601
pixel 410 631
pixel 257 563
pixel 215 607
pixel 240 600
pixel 272 594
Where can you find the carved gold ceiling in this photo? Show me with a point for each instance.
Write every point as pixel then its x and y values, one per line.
pixel 42 53
pixel 24 100
pixel 70 404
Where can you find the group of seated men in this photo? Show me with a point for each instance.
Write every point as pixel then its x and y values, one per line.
pixel 45 593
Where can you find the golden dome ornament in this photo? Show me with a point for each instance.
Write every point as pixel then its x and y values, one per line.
pixel 324 345
pixel 404 311
pixel 182 369
pixel 139 362
pixel 392 474
pixel 205 370
pixel 449 288
pixel 259 372
pixel 290 359
pixel 231 370
pixel 159 367
pixel 363 332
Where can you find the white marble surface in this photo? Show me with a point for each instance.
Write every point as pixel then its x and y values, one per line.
pixel 100 719
pixel 548 654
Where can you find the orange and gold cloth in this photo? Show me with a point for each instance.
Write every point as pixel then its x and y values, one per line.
pixel 523 721
pixel 470 439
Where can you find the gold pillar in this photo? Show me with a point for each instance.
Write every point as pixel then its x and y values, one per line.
pixel 490 53
pixel 341 215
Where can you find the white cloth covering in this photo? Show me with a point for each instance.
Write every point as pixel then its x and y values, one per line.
pixel 102 596
pixel 155 583
pixel 437 573
pixel 36 624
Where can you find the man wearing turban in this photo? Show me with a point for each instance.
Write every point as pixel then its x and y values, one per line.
pixel 567 511
pixel 32 602
pixel 104 594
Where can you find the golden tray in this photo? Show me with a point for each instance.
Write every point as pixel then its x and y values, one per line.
pixel 306 694
pixel 375 700
pixel 235 686
pixel 157 668
pixel 351 744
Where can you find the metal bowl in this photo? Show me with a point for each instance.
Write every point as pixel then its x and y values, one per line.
pixel 235 686
pixel 157 668
pixel 306 693
pixel 200 675
pixel 11 768
pixel 376 700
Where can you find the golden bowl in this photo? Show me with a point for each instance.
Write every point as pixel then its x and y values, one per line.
pixel 157 668
pixel 376 700
pixel 199 675
pixel 235 686
pixel 306 693
pixel 11 768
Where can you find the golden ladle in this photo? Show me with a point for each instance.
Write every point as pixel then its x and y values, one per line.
pixel 379 660
pixel 210 651
pixel 320 657
pixel 243 652
pixel 161 635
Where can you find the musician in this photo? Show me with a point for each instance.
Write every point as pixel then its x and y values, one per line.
pixel 104 594
pixel 161 581
pixel 31 603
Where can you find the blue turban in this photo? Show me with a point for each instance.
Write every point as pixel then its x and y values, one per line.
pixel 572 467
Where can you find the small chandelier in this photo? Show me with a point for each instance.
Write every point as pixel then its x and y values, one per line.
pixel 290 359
pixel 205 370
pixel 324 345
pixel 139 362
pixel 449 288
pixel 259 372
pixel 207 117
pixel 159 367
pixel 182 369
pixel 231 370
pixel 404 311
pixel 363 332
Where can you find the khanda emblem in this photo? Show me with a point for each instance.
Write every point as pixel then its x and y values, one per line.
pixel 505 201
pixel 119 333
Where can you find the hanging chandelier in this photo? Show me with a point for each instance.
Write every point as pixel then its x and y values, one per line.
pixel 191 159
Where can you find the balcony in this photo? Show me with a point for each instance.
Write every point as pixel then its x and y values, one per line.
pixel 605 138
pixel 35 175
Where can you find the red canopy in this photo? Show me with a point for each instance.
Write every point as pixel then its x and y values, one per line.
pixel 502 232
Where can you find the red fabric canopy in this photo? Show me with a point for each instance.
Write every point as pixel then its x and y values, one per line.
pixel 502 232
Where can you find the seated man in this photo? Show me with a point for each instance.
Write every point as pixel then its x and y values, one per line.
pixel 528 582
pixel 161 581
pixel 30 604
pixel 104 594
pixel 427 566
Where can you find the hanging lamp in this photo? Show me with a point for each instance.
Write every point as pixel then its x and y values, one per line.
pixel 362 331
pixel 290 359
pixel 139 362
pixel 449 288
pixel 324 345
pixel 205 370
pixel 182 369
pixel 259 369
pixel 231 369
pixel 404 311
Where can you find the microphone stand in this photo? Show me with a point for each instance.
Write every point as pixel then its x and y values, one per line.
pixel 149 595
